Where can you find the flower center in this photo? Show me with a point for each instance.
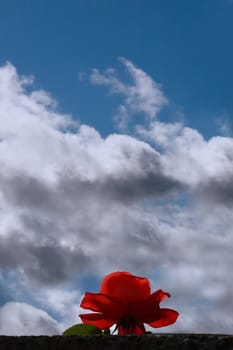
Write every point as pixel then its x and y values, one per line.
pixel 129 325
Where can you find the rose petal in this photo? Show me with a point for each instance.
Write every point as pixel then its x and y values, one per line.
pixel 148 309
pixel 97 320
pixel 105 304
pixel 166 317
pixel 160 295
pixel 125 287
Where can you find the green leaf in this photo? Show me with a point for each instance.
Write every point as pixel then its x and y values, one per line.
pixel 82 329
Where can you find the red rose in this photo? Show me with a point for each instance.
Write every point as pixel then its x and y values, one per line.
pixel 126 300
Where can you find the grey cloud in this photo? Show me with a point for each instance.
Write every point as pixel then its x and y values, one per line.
pixel 26 191
pixel 55 263
pixel 150 181
pixel 201 319
pixel 139 175
pixel 152 185
pixel 49 263
pixel 74 203
pixel 122 189
pixel 197 269
pixel 219 189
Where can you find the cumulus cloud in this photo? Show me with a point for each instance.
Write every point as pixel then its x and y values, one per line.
pixel 74 204
pixel 55 185
pixel 206 166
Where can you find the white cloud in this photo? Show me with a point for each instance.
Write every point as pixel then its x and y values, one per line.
pixel 199 163
pixel 23 319
pixel 74 204
pixel 224 125
pixel 62 302
pixel 144 95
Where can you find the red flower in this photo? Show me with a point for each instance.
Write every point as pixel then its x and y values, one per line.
pixel 126 300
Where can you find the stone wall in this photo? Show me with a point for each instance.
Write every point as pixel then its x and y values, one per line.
pixel 148 342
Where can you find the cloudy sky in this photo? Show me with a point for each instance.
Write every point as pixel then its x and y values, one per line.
pixel 116 154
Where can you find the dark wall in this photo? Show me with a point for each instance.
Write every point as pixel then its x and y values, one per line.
pixel 146 342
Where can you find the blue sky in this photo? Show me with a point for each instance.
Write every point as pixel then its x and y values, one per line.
pixel 134 156
pixel 185 46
